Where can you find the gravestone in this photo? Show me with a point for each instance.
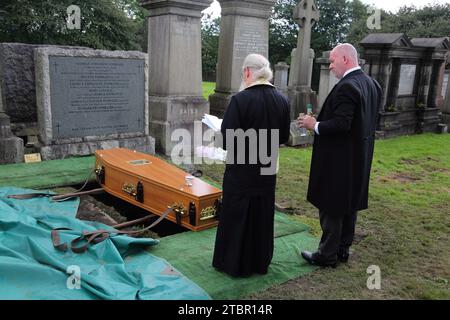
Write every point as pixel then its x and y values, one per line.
pixel 11 147
pixel 327 79
pixel 244 29
pixel 175 86
pixel 409 72
pixel 299 91
pixel 281 76
pixel 91 99
pixel 294 66
pixel 296 138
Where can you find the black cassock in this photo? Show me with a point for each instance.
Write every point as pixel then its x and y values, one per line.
pixel 244 240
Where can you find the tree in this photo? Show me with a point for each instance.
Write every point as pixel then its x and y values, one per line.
pixel 430 21
pixel 210 46
pixel 334 23
pixel 105 24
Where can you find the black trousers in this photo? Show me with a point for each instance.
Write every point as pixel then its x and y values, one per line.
pixel 337 234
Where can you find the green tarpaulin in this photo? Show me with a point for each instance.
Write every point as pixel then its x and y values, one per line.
pixel 117 268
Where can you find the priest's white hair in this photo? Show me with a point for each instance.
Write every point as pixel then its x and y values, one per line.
pixel 260 67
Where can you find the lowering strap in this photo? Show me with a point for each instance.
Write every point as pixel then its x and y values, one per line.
pixel 97 236
pixel 56 197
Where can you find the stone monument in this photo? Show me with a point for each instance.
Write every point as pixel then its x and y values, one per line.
pixel 11 147
pixel 446 105
pixel 91 99
pixel 280 80
pixel 244 29
pixel 175 86
pixel 409 72
pixel 299 91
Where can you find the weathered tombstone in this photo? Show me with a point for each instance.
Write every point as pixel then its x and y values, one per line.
pixel 175 86
pixel 281 76
pixel 244 29
pixel 299 91
pixel 91 99
pixel 408 72
pixel 294 66
pixel 11 147
pixel 327 79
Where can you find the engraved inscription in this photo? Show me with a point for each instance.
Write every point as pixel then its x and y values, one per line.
pixel 96 96
pixel 251 38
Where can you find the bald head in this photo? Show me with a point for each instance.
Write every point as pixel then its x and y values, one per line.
pixel 342 58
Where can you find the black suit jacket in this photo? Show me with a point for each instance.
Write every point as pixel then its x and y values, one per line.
pixel 258 107
pixel 343 150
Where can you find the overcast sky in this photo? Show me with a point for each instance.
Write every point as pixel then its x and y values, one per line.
pixel 388 5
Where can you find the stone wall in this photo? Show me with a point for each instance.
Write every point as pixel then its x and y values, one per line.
pixel 17 78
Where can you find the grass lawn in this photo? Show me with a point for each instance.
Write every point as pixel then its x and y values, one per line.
pixel 405 231
pixel 208 89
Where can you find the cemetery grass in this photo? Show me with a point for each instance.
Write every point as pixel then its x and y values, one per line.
pixel 405 231
pixel 208 89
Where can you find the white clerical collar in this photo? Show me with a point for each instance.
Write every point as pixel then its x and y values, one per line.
pixel 258 82
pixel 351 70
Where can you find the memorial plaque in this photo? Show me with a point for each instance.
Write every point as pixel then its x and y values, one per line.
pixel 96 96
pixel 407 76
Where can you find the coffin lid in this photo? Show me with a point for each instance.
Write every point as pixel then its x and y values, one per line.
pixel 154 170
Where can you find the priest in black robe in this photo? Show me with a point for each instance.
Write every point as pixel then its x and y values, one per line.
pixel 255 123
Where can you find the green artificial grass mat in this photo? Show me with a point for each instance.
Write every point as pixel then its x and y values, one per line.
pixel 47 174
pixel 191 253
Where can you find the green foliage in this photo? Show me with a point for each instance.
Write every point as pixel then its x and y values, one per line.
pixel 430 21
pixel 105 24
pixel 210 46
pixel 283 31
pixel 334 23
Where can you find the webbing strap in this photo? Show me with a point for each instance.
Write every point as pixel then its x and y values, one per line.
pixel 96 236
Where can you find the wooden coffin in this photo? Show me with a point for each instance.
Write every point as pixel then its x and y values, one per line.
pixel 153 184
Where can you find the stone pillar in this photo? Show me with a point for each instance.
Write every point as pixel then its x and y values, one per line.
pixel 11 147
pixel 312 55
pixel 424 82
pixel 327 78
pixel 446 106
pixel 394 83
pixel 281 76
pixel 294 67
pixel 244 29
pixel 434 83
pixel 441 87
pixel 175 77
pixel 299 91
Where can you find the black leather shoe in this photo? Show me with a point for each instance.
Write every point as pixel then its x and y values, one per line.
pixel 315 260
pixel 343 257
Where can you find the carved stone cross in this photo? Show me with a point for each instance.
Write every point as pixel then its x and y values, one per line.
pixel 306 15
